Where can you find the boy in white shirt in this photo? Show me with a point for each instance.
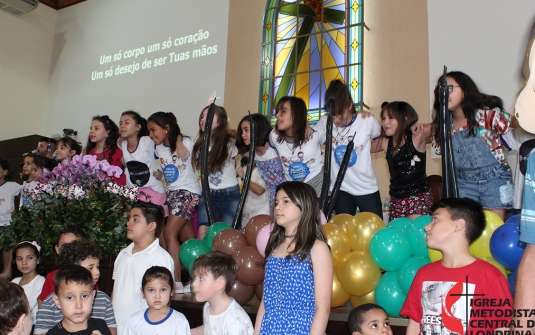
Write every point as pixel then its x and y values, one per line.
pixel 146 221
pixel 214 275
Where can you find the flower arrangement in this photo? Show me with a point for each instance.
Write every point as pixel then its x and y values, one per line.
pixel 80 192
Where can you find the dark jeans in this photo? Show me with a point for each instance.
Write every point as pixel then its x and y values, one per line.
pixel 347 203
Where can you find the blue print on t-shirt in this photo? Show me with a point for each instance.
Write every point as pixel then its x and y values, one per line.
pixel 339 155
pixel 170 173
pixel 298 171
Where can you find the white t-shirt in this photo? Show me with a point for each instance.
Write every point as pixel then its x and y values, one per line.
pixel 140 165
pixel 8 191
pixel 27 187
pixel 233 321
pixel 304 162
pixel 178 175
pixel 227 178
pixel 255 204
pixel 32 290
pixel 128 272
pixel 174 323
pixel 360 177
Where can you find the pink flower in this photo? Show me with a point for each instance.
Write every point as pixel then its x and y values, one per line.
pixel 90 160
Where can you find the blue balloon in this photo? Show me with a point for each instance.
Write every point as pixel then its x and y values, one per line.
pixel 505 247
pixel 512 281
pixel 514 220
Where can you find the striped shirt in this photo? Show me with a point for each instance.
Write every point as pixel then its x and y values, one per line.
pixel 49 315
pixel 527 219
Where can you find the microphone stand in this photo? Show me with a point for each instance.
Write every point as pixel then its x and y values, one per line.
pixel 9 175
pixel 327 162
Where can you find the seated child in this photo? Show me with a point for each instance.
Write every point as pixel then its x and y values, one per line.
pixel 87 255
pixel 159 318
pixel 146 221
pixel 368 319
pixel 15 316
pixel 74 290
pixel 214 275
pixel 66 235
pixel 434 303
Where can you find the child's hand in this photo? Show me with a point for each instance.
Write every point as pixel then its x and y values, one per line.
pixel 365 114
pixel 96 332
pixel 240 172
pixel 182 151
pixel 308 133
pixel 120 141
pixel 417 129
pixel 158 174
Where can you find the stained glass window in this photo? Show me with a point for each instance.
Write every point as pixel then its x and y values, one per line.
pixel 306 44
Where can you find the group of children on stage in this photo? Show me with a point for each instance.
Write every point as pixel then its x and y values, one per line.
pixel 288 166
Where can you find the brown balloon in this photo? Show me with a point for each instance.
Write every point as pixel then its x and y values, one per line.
pixel 259 290
pixel 229 241
pixel 241 293
pixel 250 272
pixel 253 227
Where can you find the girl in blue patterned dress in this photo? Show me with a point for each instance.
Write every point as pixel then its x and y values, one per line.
pixel 299 270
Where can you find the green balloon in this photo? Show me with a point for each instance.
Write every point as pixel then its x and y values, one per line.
pixel 388 294
pixel 401 224
pixel 213 230
pixel 390 249
pixel 416 235
pixel 190 250
pixel 408 271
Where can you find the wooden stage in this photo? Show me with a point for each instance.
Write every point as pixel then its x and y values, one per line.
pixel 186 304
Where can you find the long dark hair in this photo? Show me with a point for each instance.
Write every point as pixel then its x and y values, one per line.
pixel 338 99
pixel 111 140
pixel 163 120
pixel 40 268
pixel 309 228
pixel 138 119
pixel 406 117
pixel 298 109
pixel 473 99
pixel 262 127
pixel 71 144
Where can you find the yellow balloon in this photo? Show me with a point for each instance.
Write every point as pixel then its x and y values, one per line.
pixel 434 255
pixel 366 299
pixel 481 247
pixel 342 220
pixel 339 296
pixel 338 241
pixel 496 264
pixel 361 230
pixel 358 274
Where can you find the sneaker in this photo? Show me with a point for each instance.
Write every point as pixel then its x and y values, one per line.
pixel 179 288
pixel 187 288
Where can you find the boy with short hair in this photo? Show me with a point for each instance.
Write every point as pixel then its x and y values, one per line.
pixel 88 255
pixel 74 293
pixel 368 319
pixel 146 221
pixel 458 294
pixel 214 276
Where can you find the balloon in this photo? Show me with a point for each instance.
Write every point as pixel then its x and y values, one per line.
pixel 358 274
pixel 408 271
pixel 190 250
pixel 512 283
pixel 416 235
pixel 434 255
pixel 388 294
pixel 505 246
pixel 496 264
pixel 262 238
pixel 338 241
pixel 361 230
pixel 323 219
pixel 229 241
pixel 240 292
pixel 253 227
pixel 514 220
pixel 389 249
pixel 259 290
pixel 250 270
pixel 401 224
pixel 339 296
pixel 342 220
pixel 213 230
pixel 481 247
pixel 365 299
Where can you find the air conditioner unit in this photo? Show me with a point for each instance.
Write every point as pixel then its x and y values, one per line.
pixel 18 6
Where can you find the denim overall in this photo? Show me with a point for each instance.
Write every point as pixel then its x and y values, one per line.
pixel 480 176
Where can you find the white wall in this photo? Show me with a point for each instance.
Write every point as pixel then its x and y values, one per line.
pixel 25 54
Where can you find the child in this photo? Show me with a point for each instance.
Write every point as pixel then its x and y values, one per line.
pixel 159 318
pixel 36 171
pixel 66 235
pixel 87 255
pixel 478 120
pixel 15 316
pixel 410 195
pixel 359 189
pixel 138 152
pixel 102 143
pixel 369 319
pixel 74 294
pixel 28 183
pixel 214 275
pixel 27 258
pixel 299 271
pixel 8 191
pixel 445 292
pixel 183 189
pixel 146 221
pixel 257 202
pixel 224 187
pixel 267 160
pixel 67 149
pixel 301 157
